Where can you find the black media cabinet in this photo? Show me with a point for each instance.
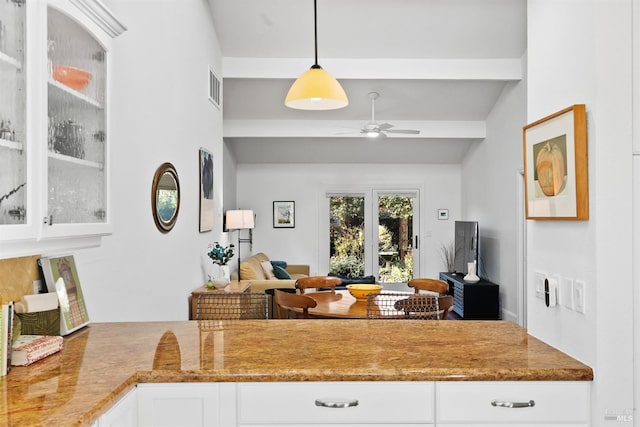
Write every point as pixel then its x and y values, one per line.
pixel 474 301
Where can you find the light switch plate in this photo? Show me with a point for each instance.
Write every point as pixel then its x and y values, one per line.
pixel 539 283
pixel 578 296
pixel 566 292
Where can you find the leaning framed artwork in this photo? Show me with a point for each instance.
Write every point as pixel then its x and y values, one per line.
pixel 206 190
pixel 555 166
pixel 284 214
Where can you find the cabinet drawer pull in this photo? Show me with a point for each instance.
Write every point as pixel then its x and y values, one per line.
pixel 529 404
pixel 337 403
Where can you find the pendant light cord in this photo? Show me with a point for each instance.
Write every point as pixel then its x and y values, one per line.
pixel 315 33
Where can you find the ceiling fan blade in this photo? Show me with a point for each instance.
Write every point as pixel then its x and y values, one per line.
pixel 407 131
pixel 385 126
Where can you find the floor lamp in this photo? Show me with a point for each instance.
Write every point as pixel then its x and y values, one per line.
pixel 241 220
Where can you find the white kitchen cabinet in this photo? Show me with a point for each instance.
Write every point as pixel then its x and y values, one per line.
pixel 379 403
pixel 13 116
pixel 384 403
pixel 123 414
pixel 514 403
pixel 61 145
pixel 186 404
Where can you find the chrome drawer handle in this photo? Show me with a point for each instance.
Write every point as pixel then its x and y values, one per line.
pixel 337 403
pixel 529 404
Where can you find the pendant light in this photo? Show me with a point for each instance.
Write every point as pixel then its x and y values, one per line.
pixel 316 89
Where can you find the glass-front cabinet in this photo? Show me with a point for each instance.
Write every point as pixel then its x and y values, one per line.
pixel 76 117
pixel 13 147
pixel 54 133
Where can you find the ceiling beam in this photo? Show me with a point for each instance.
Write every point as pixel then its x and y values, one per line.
pixel 507 69
pixel 348 129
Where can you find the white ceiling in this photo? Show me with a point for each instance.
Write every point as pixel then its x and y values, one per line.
pixel 439 66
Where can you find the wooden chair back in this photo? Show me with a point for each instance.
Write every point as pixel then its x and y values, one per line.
pixel 285 302
pixel 395 305
pixel 433 285
pixel 319 282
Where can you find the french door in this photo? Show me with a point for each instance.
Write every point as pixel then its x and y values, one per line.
pixel 374 233
pixel 396 239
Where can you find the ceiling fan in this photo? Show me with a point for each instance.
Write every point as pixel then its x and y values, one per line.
pixel 374 129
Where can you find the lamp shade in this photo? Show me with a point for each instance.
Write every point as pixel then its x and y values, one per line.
pixel 316 89
pixel 239 220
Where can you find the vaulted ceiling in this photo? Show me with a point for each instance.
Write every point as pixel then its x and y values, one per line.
pixel 438 65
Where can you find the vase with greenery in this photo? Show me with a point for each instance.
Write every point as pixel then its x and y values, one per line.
pixel 220 255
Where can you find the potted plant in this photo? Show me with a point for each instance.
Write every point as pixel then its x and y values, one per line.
pixel 448 256
pixel 220 255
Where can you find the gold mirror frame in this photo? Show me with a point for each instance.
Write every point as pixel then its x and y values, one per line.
pixel 165 179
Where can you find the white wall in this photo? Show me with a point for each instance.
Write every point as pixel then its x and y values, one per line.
pixel 580 52
pixel 160 113
pixel 306 184
pixel 490 180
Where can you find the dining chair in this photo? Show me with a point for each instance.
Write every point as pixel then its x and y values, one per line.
pixel 440 287
pixel 286 303
pixel 231 305
pixel 319 282
pixel 397 305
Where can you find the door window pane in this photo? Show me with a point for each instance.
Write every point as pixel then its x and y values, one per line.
pixel 395 231
pixel 346 235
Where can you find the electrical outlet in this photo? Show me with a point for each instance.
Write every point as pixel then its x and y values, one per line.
pixel 579 296
pixel 539 283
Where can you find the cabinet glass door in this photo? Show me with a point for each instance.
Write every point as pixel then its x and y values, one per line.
pixel 13 173
pixel 77 182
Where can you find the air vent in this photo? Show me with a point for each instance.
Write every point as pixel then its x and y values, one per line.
pixel 214 88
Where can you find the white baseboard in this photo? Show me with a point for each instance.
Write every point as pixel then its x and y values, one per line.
pixel 509 316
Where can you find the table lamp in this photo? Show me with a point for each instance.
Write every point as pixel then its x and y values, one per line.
pixel 241 220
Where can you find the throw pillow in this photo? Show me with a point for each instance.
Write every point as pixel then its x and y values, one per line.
pixel 280 272
pixel 268 270
pixel 282 264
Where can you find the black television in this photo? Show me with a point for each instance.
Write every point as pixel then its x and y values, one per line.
pixel 466 245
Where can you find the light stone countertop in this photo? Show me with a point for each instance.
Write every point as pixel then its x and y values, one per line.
pixel 104 360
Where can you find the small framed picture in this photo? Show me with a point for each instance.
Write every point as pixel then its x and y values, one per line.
pixel 284 214
pixel 443 213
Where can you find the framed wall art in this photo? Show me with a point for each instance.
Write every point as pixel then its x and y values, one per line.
pixel 555 166
pixel 206 190
pixel 284 214
pixel 443 214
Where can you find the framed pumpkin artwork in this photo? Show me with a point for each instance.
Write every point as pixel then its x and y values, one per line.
pixel 555 166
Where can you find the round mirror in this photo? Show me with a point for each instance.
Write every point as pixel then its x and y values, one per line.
pixel 165 197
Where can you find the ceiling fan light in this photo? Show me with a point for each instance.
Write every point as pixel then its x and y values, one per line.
pixel 316 89
pixel 372 133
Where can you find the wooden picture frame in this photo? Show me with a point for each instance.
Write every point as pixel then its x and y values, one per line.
pixel 284 214
pixel 205 160
pixel 555 166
